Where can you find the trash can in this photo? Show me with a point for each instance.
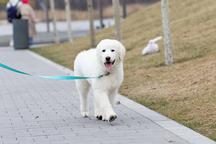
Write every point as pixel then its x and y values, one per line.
pixel 20 34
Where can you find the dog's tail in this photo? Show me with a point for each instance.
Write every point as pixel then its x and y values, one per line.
pixel 156 39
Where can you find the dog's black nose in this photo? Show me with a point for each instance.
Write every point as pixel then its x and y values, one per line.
pixel 107 58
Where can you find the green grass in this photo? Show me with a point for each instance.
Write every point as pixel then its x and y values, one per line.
pixel 185 91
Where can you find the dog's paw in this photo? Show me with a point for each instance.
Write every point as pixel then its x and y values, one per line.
pixel 112 118
pixel 98 114
pixel 105 115
pixel 84 114
pixel 109 116
pixel 99 117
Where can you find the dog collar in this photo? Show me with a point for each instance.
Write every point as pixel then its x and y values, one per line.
pixel 106 74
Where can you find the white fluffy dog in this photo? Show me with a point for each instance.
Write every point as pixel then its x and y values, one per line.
pixel 106 60
pixel 152 46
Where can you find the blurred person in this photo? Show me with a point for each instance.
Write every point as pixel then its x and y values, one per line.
pixel 13 12
pixel 28 13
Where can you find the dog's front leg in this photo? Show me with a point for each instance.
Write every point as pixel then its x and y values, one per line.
pixel 103 107
pixel 112 97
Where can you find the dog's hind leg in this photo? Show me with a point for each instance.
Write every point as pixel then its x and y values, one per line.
pixel 83 89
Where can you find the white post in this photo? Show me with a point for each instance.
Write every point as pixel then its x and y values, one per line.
pixel 91 21
pixel 68 17
pixel 52 5
pixel 167 33
pixel 117 18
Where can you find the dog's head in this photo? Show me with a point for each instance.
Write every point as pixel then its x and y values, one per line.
pixel 110 53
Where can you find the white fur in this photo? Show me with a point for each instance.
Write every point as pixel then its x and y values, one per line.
pixel 152 46
pixel 105 89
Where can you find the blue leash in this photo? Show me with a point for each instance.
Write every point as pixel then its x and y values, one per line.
pixel 48 77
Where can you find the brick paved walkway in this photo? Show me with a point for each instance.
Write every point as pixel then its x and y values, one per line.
pixel 37 111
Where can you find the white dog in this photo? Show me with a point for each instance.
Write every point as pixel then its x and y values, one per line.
pixel 152 46
pixel 106 61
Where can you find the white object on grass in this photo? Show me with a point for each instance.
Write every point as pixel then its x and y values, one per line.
pixel 152 46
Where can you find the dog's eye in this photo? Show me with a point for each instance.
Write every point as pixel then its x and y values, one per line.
pixel 103 50
pixel 112 50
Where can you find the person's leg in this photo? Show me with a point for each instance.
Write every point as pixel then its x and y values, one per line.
pixel 11 42
pixel 30 41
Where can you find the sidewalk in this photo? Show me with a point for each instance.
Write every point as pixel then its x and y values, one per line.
pixel 76 25
pixel 79 28
pixel 37 111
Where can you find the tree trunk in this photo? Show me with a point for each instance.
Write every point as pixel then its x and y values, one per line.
pixel 68 17
pixel 117 18
pixel 167 33
pixel 100 6
pixel 124 5
pixel 56 37
pixel 91 22
pixel 47 16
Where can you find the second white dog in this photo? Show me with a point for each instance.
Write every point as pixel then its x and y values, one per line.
pixel 106 60
pixel 152 46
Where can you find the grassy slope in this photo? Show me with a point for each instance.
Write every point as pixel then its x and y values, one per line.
pixel 185 91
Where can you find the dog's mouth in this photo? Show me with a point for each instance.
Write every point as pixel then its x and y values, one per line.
pixel 109 65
